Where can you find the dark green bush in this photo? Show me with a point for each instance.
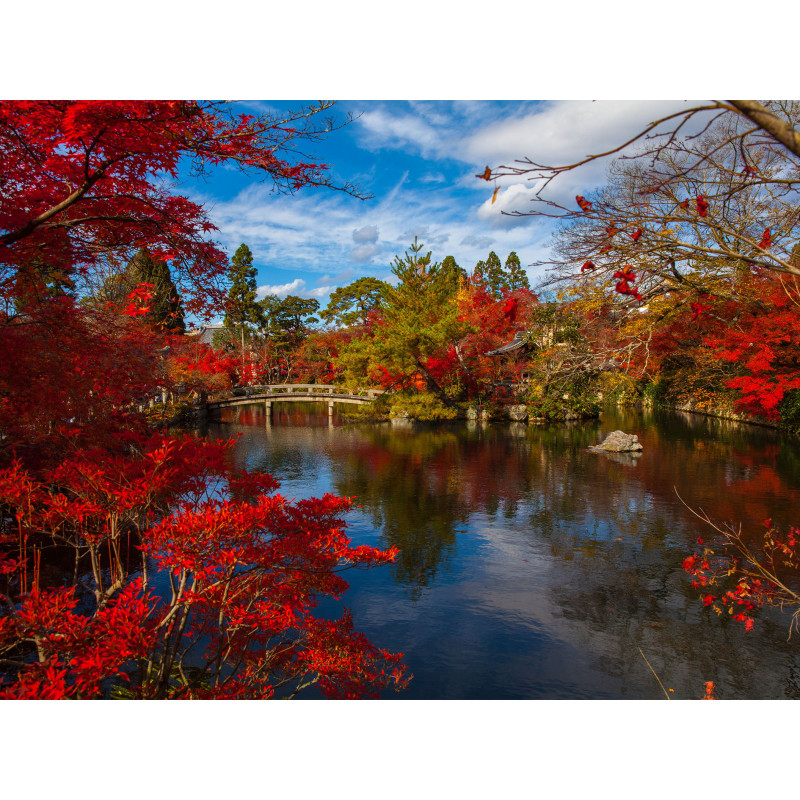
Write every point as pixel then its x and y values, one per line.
pixel 790 411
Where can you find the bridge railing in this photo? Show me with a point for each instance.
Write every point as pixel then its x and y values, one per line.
pixel 299 388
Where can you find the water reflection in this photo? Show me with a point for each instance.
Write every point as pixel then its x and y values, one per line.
pixel 532 567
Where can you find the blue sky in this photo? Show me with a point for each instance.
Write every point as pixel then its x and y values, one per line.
pixel 418 160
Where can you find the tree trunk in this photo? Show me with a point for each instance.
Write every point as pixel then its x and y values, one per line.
pixel 243 367
pixel 432 385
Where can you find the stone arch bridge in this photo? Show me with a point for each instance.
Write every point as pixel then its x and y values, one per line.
pixel 296 393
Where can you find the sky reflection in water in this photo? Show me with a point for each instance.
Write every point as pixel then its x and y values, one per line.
pixel 530 567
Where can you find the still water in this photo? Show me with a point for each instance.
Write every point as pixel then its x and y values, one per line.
pixel 530 567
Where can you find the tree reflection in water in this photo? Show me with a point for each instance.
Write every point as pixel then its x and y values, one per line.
pixel 531 567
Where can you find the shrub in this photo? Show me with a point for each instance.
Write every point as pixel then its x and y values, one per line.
pixel 790 411
pixel 577 398
pixel 618 388
pixel 420 406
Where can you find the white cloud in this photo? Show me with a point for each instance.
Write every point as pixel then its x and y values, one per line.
pixel 382 128
pixel 561 131
pixel 365 253
pixel 366 235
pixel 433 129
pixel 347 275
pixel 296 287
pixel 282 290
pixel 309 237
pixel 320 291
pixel 482 242
pixel 516 197
pixel 431 236
pixel 565 132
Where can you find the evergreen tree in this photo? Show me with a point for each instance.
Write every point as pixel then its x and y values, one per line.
pixel 420 320
pixel 452 273
pixel 241 308
pixel 295 315
pixel 285 325
pixel 515 275
pixel 352 304
pixel 166 311
pixel 494 276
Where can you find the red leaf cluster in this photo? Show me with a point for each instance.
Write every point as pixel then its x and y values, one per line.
pixel 698 309
pixel 738 566
pixel 246 568
pixel 137 562
pixel 626 277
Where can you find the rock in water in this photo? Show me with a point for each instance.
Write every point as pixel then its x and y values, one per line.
pixel 619 442
pixel 518 413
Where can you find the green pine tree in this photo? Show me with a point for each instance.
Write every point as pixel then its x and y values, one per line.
pixel 494 276
pixel 420 320
pixel 241 308
pixel 166 309
pixel 515 275
pixel 352 304
pixel 451 272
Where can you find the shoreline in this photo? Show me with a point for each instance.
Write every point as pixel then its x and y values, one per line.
pixel 725 414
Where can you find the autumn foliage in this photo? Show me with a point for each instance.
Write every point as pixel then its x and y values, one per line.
pixel 138 563
pixel 195 591
pixel 736 577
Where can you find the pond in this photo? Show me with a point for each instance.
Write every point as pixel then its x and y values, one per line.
pixel 530 567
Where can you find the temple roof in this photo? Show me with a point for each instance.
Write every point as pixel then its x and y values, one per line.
pixel 515 344
pixel 205 333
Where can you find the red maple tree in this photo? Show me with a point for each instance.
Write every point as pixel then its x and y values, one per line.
pixel 132 562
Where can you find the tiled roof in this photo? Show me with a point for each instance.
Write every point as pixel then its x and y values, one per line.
pixel 515 344
pixel 205 333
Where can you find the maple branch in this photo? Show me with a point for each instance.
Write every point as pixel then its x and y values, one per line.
pixel 30 226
